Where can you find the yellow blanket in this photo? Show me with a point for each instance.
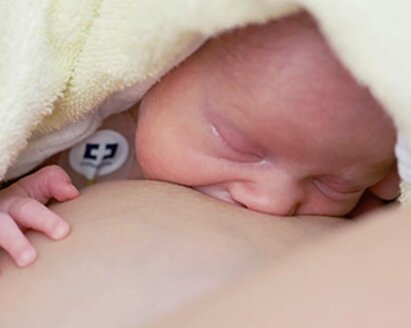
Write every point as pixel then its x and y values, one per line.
pixel 66 64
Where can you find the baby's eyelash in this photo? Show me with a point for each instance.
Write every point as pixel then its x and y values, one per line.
pixel 334 194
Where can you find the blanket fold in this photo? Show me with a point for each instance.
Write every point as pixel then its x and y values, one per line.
pixel 67 64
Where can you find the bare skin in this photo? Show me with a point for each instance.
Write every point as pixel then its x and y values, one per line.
pixel 360 278
pixel 264 117
pixel 267 118
pixel 139 250
pixel 113 269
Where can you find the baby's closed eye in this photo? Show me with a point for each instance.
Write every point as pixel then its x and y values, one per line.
pixel 337 192
pixel 238 143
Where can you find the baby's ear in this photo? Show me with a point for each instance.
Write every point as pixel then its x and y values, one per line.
pixel 389 187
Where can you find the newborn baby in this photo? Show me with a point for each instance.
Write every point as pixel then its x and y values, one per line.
pixel 264 117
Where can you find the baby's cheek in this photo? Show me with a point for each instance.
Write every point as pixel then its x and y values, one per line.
pixel 149 156
pixel 177 154
pixel 165 159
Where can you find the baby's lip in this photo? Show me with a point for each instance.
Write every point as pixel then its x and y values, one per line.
pixel 218 193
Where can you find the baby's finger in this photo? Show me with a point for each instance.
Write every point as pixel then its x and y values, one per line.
pixel 30 213
pixel 13 241
pixel 49 182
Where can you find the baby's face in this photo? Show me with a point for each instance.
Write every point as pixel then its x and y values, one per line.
pixel 266 117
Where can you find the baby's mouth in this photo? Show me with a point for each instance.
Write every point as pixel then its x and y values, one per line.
pixel 218 193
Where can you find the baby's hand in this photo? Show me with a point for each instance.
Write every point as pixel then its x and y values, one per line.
pixel 22 206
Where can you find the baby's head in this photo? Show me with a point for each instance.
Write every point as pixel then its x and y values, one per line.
pixel 267 118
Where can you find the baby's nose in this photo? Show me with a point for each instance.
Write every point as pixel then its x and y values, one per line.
pixel 279 197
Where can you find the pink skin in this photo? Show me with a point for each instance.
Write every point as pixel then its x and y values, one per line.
pixel 22 207
pixel 267 118
pixel 264 117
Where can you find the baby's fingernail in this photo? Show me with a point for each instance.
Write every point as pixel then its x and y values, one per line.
pixel 70 189
pixel 26 258
pixel 61 230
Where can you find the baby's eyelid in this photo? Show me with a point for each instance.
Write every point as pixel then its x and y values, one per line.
pixel 254 155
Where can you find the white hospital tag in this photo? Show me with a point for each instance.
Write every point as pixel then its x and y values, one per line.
pixel 100 154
